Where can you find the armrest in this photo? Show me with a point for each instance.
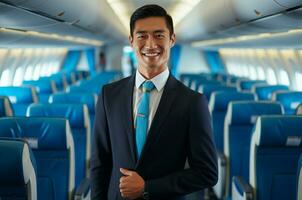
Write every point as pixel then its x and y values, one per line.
pixel 241 190
pixel 83 191
pixel 219 188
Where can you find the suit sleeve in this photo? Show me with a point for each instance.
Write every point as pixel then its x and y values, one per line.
pixel 202 158
pixel 101 158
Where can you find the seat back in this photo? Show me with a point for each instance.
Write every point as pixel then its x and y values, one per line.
pixel 44 88
pixel 289 99
pixel 275 149
pixel 89 99
pixel 246 85
pixel 239 122
pixel 20 97
pixel 78 117
pixel 207 89
pixel 52 144
pixel 264 92
pixel 218 105
pixel 6 109
pixel 17 171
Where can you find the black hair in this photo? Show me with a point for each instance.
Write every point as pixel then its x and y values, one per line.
pixel 151 10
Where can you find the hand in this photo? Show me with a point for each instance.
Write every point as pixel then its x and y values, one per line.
pixel 131 184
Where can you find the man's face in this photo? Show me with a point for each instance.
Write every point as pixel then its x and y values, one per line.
pixel 151 42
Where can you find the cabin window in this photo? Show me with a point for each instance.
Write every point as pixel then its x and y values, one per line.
pixel 37 72
pixel 271 77
pixel 284 77
pixel 18 77
pixel 252 73
pixel 298 76
pixel 4 81
pixel 28 73
pixel 260 73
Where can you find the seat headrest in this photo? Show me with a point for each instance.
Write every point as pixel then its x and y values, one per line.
pixel 265 91
pixel 219 100
pixel 43 86
pixel 248 84
pixel 17 162
pixel 5 107
pixel 207 89
pixel 22 94
pixel 39 132
pixel 289 99
pixel 89 99
pixel 278 131
pixel 247 112
pixel 77 114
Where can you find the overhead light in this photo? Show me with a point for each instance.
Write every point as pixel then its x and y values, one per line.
pixel 181 9
pixel 204 43
pixel 54 36
pixel 121 11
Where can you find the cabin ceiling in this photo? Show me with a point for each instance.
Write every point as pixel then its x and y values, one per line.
pixel 96 21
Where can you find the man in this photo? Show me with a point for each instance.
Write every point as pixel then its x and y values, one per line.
pixel 149 124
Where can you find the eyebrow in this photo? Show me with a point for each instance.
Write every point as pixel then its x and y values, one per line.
pixel 156 31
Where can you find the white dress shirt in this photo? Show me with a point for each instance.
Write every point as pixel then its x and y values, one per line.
pixel 159 82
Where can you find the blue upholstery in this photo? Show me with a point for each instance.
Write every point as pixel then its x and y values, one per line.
pixel 207 89
pixel 89 99
pixel 299 179
pixel 44 88
pixel 289 99
pixel 52 144
pixel 239 121
pixel 6 109
pixel 78 117
pixel 264 92
pixel 20 97
pixel 59 79
pixel 246 85
pixel 275 149
pixel 218 106
pixel 17 171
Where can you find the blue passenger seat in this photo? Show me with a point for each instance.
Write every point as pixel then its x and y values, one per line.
pixel 246 85
pixel 239 122
pixel 264 92
pixel 78 117
pixel 17 171
pixel 20 97
pixel 289 99
pixel 6 109
pixel 274 153
pixel 218 105
pixel 53 147
pixel 44 88
pixel 89 99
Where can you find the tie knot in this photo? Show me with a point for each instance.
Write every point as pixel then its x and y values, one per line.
pixel 148 86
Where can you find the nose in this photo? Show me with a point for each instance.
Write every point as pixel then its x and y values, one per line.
pixel 150 43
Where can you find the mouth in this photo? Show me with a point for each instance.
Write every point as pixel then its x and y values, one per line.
pixel 151 55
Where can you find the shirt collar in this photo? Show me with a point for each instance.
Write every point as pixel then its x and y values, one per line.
pixel 159 80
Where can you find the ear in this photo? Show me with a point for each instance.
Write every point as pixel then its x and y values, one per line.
pixel 172 40
pixel 130 38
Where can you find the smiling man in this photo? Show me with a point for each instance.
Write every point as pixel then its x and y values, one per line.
pixel 149 124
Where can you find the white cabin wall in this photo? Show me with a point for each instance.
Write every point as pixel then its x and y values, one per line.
pixel 191 60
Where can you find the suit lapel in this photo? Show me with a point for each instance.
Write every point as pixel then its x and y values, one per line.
pixel 127 114
pixel 161 114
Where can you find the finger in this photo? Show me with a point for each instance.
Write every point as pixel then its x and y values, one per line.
pixel 126 172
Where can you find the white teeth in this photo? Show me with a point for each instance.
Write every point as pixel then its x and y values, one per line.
pixel 151 54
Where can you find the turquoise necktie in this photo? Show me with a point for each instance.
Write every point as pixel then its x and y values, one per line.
pixel 142 117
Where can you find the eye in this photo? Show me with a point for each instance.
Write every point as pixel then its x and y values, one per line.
pixel 160 35
pixel 140 37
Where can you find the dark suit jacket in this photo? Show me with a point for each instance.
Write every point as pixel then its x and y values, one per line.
pixel 180 130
